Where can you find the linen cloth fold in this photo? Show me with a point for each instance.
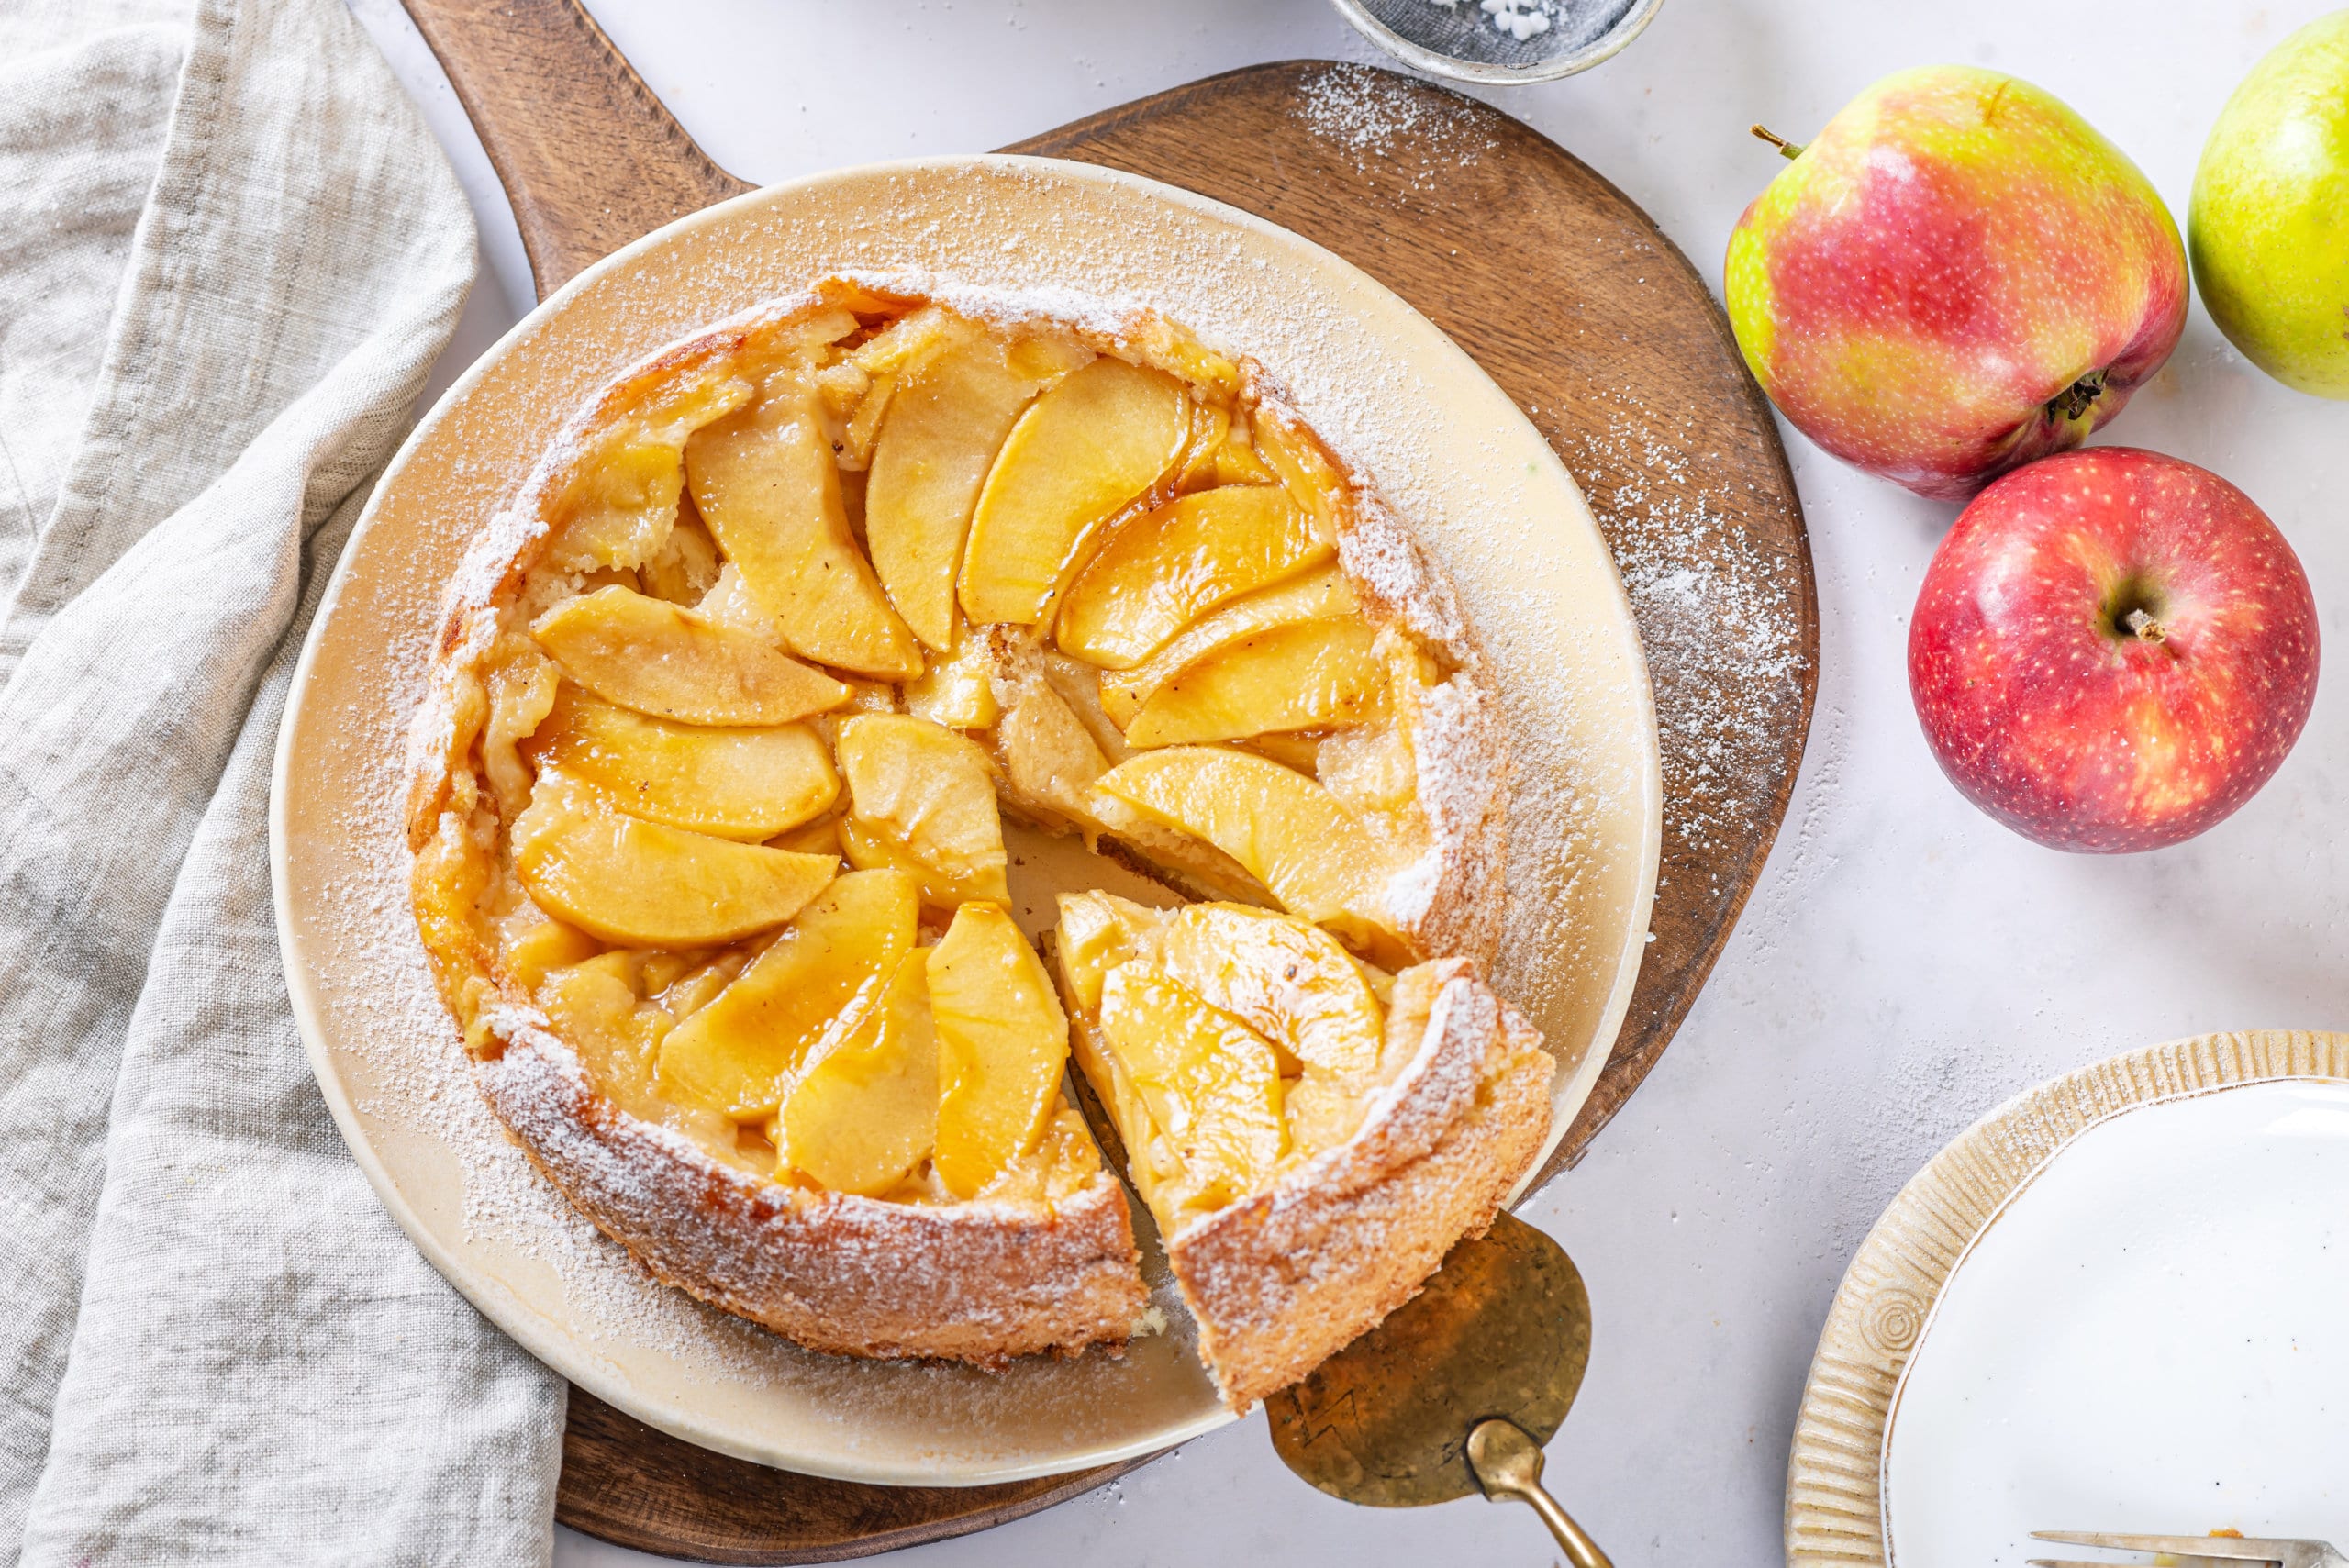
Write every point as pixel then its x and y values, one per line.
pixel 229 252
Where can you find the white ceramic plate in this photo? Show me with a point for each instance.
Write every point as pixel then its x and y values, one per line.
pixel 2151 1335
pixel 1388 390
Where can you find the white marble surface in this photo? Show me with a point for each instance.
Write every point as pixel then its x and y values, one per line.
pixel 1906 963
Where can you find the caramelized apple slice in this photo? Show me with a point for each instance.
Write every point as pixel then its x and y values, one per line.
pixel 1162 571
pixel 734 784
pixel 921 798
pixel 1236 462
pixel 595 1010
pixel 1097 932
pixel 672 662
pixel 770 492
pixel 616 511
pixel 1212 1086
pixel 642 885
pixel 1002 1040
pixel 1288 981
pixel 821 837
pixel 1104 435
pixel 866 1111
pixel 546 945
pixel 1318 594
pixel 821 979
pixel 1290 833
pixel 958 690
pixel 1305 470
pixel 1320 675
pixel 945 424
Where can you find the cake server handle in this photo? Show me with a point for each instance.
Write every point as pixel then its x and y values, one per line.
pixel 1508 1463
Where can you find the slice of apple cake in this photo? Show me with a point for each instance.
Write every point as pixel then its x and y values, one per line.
pixel 732 700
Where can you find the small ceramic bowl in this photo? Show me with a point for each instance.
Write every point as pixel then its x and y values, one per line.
pixel 1460 40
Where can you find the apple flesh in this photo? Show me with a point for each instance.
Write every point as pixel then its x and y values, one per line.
pixel 1958 275
pixel 2112 651
pixel 2269 223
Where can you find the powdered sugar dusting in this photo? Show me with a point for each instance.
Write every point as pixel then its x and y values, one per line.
pixel 1371 116
pixel 1720 626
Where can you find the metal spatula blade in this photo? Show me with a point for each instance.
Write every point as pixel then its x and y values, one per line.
pixel 1456 1391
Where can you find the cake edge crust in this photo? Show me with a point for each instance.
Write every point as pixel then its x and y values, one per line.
pixel 979 1282
pixel 1281 1280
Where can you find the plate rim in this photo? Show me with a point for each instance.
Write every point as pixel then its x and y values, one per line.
pixel 553 1349
pixel 1890 1293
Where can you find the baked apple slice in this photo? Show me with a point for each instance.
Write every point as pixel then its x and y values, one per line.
pixel 1288 832
pixel 865 1113
pixel 1320 674
pixel 618 511
pixel 958 689
pixel 734 784
pixel 947 419
pixel 1287 980
pixel 819 979
pixel 1318 594
pixel 921 798
pixel 1002 1042
pixel 637 884
pixel 1210 1086
pixel 1081 452
pixel 1160 572
pixel 770 492
pixel 672 662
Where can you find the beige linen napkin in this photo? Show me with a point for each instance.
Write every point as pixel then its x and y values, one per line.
pixel 229 254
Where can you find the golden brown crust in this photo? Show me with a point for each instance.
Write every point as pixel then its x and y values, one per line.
pixel 1282 1280
pixel 853 1276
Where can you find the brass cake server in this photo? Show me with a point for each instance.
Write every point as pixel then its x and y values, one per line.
pixel 1456 1391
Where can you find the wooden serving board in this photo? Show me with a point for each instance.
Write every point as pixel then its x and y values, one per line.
pixel 1564 290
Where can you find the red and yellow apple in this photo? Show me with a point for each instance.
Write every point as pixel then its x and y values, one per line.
pixel 2112 651
pixel 1958 275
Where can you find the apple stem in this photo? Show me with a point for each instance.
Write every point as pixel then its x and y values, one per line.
pixel 1785 149
pixel 2147 629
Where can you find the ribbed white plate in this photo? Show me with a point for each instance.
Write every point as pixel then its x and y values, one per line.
pixel 2152 1336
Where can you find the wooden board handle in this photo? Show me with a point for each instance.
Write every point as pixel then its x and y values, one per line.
pixel 588 156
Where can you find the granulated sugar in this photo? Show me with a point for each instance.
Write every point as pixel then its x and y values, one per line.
pixel 1520 19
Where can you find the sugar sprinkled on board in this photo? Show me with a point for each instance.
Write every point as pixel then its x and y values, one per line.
pixel 1715 617
pixel 1373 118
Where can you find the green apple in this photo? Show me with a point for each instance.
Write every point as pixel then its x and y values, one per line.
pixel 2269 226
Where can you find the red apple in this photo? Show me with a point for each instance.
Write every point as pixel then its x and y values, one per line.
pixel 2112 651
pixel 1956 276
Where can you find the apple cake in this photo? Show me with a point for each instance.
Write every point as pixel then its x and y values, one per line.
pixel 730 703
